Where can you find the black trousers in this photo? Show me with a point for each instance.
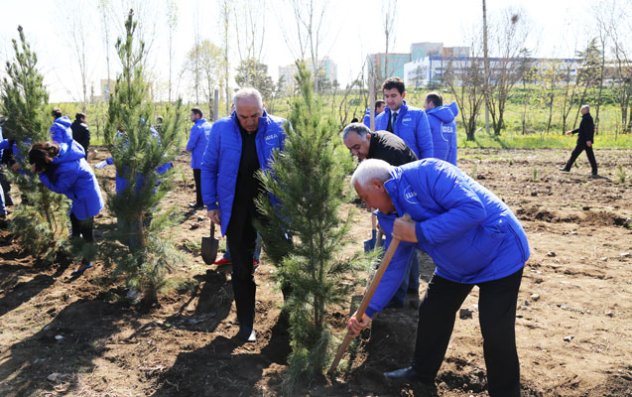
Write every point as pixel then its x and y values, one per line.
pixel 83 229
pixel 241 237
pixel 197 175
pixel 589 153
pixel 6 187
pixel 497 318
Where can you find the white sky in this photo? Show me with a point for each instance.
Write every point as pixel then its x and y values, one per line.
pixel 353 29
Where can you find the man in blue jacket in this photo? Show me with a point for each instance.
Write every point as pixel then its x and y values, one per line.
pixel 197 143
pixel 472 237
pixel 407 122
pixel 379 108
pixel 238 147
pixel 60 131
pixel 442 126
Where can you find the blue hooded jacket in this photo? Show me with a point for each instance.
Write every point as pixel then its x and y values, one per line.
pixel 71 175
pixel 470 234
pixel 60 131
pixel 223 154
pixel 443 129
pixel 412 126
pixel 197 142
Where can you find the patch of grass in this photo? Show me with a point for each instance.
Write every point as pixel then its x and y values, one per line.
pixel 621 174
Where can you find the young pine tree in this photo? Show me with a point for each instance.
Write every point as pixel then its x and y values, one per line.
pixel 308 178
pixel 139 153
pixel 39 221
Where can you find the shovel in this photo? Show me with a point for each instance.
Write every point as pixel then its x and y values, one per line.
pixel 210 246
pixel 366 299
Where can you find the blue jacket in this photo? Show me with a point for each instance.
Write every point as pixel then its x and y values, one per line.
pixel 60 131
pixel 471 235
pixel 412 126
pixel 223 154
pixel 367 118
pixel 71 175
pixel 197 142
pixel 443 129
pixel 121 183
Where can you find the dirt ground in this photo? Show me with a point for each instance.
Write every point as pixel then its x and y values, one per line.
pixel 574 326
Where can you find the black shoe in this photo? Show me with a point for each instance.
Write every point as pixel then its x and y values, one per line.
pixel 247 335
pixel 405 374
pixel 83 268
pixel 595 176
pixel 196 206
pixel 564 170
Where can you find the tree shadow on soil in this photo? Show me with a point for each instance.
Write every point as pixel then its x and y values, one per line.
pixel 18 265
pixel 67 346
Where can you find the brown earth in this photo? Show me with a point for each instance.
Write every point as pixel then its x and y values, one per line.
pixel 83 338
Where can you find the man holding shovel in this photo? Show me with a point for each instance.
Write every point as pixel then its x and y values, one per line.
pixel 238 147
pixel 472 237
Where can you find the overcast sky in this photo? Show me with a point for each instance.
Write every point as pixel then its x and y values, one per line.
pixel 353 28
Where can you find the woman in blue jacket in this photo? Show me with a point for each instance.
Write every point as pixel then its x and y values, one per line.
pixel 63 169
pixel 472 237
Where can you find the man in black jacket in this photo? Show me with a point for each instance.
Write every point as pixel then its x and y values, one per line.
pixel 384 145
pixel 381 145
pixel 585 141
pixel 80 132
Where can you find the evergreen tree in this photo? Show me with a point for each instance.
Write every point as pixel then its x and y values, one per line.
pixel 40 221
pixel 138 151
pixel 308 178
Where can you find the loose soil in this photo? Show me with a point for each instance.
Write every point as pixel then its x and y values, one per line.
pixel 81 337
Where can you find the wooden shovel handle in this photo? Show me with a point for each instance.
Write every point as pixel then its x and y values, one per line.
pixel 366 299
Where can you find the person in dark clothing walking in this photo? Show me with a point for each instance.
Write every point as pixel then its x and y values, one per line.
pixel 585 140
pixel 80 132
pixel 238 147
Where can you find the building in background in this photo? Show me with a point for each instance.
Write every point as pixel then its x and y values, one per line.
pixel 327 71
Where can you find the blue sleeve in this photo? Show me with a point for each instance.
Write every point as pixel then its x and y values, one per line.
pixel 425 148
pixel 396 271
pixel 210 167
pixel 452 192
pixel 4 144
pixel 63 184
pixel 109 160
pixel 367 118
pixel 193 138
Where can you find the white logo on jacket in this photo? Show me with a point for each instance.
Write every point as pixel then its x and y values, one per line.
pixel 269 139
pixel 410 195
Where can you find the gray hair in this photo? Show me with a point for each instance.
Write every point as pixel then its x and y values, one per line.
pixel 369 170
pixel 248 93
pixel 585 106
pixel 359 128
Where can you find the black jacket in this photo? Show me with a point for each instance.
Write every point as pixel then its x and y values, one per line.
pixel 390 148
pixel 586 130
pixel 81 134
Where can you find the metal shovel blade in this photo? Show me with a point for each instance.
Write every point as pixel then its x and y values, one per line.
pixel 210 246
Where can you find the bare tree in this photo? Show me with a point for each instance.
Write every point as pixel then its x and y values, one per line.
pixel 104 10
pixel 465 78
pixel 309 16
pixel 204 65
pixel 172 22
pixel 509 38
pixel 389 14
pixel 226 12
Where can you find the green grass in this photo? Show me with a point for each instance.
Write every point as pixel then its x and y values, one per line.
pixel 512 136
